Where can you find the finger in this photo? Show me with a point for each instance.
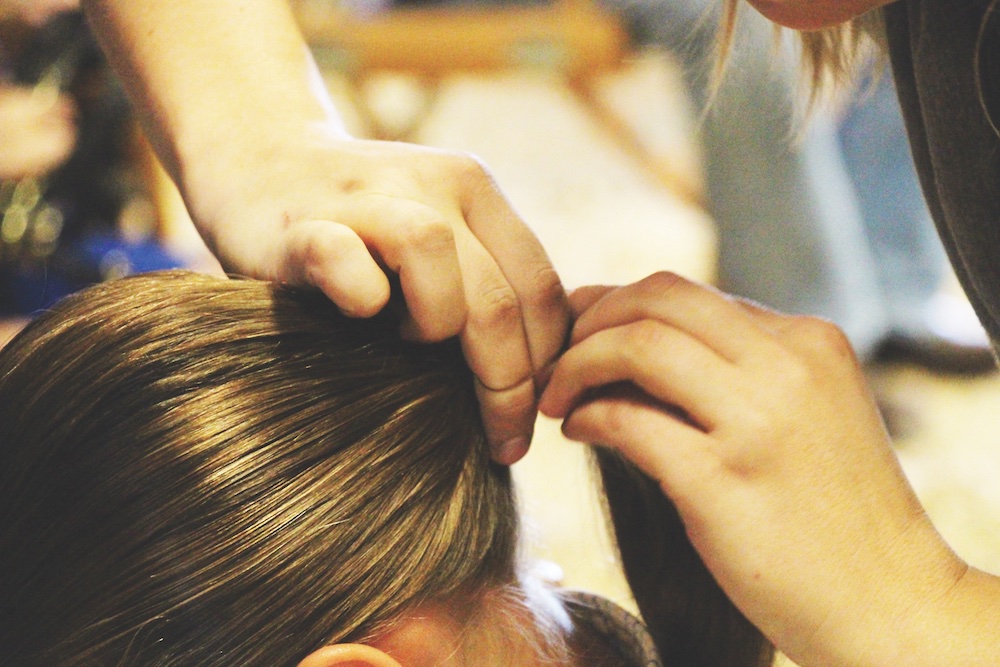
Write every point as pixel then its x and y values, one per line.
pixel 670 365
pixel 582 299
pixel 494 337
pixel 661 443
pixel 496 348
pixel 418 243
pixel 701 311
pixel 508 420
pixel 523 262
pixel 334 259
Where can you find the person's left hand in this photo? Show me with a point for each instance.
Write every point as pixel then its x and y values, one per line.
pixel 762 431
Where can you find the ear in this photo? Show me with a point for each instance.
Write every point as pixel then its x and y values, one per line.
pixel 349 655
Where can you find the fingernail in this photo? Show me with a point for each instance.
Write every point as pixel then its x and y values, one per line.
pixel 510 452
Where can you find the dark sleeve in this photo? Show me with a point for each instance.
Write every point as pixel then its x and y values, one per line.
pixel 932 45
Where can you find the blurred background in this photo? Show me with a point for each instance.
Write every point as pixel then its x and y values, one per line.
pixel 592 117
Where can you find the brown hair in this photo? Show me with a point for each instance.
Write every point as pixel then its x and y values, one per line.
pixel 198 471
pixel 691 620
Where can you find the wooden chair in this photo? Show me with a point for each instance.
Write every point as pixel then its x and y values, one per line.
pixel 576 39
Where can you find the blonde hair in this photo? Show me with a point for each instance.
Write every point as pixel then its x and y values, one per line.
pixel 829 57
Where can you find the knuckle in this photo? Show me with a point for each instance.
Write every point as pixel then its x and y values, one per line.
pixel 794 377
pixel 517 402
pixel 507 401
pixel 753 443
pixel 316 256
pixel 824 337
pixel 797 375
pixel 663 282
pixel 497 308
pixel 471 172
pixel 546 292
pixel 316 248
pixel 756 430
pixel 643 336
pixel 303 248
pixel 428 233
pixel 467 164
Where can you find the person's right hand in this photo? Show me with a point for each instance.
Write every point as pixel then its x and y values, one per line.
pixel 37 133
pixel 322 209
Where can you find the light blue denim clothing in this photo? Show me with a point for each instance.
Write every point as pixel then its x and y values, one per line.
pixel 911 258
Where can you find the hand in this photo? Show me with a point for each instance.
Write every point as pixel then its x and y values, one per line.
pixel 279 190
pixel 38 132
pixel 322 209
pixel 761 430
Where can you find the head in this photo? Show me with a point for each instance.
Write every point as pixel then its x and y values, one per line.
pixel 199 471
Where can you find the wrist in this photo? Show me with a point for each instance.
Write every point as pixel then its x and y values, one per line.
pixel 915 609
pixel 216 93
pixel 896 609
pixel 211 140
pixel 217 155
pixel 958 628
pixel 242 184
pixel 932 613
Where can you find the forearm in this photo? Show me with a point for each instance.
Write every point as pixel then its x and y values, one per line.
pixel 208 75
